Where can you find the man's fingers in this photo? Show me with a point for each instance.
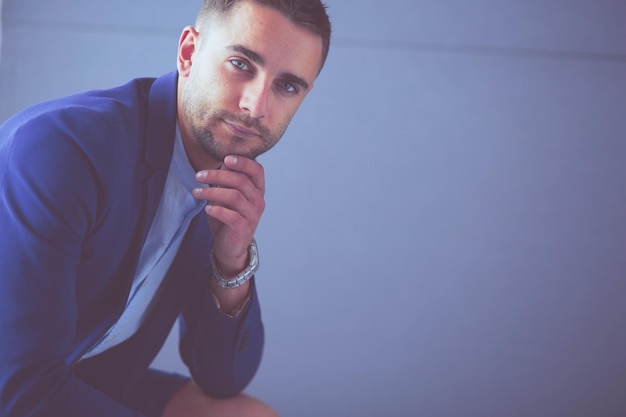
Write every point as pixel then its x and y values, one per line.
pixel 226 216
pixel 231 198
pixel 236 172
pixel 247 166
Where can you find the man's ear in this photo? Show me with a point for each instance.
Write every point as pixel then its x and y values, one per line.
pixel 186 47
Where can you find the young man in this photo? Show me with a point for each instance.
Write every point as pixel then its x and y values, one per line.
pixel 123 209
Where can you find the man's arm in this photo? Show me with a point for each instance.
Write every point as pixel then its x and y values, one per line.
pixel 211 335
pixel 222 353
pixel 48 204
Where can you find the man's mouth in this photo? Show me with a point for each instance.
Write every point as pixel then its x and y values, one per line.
pixel 240 130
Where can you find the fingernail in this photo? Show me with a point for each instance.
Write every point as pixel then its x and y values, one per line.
pixel 231 159
pixel 200 175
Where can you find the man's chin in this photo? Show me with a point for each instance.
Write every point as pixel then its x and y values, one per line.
pixel 220 154
pixel 219 148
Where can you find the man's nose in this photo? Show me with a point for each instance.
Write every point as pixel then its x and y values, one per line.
pixel 254 98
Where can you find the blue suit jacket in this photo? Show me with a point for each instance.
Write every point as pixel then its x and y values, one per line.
pixel 80 181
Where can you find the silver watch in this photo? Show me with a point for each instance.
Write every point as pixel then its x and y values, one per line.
pixel 244 275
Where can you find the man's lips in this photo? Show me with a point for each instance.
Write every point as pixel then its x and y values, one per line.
pixel 240 130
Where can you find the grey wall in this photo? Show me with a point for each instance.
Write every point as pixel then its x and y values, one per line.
pixel 1 30
pixel 446 217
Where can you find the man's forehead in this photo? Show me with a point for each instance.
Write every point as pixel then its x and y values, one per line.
pixel 266 37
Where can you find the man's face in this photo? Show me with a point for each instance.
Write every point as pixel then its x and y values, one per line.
pixel 243 81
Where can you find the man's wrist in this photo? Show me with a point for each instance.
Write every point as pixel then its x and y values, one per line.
pixel 231 302
pixel 242 277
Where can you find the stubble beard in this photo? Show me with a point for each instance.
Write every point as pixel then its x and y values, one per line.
pixel 201 122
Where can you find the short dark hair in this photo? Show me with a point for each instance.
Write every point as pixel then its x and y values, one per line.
pixel 309 14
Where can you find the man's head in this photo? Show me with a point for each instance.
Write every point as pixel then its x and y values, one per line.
pixel 243 72
pixel 310 14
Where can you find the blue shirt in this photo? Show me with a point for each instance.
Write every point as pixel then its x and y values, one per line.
pixel 176 209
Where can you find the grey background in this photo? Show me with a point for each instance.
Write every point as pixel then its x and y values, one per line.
pixel 1 30
pixel 445 230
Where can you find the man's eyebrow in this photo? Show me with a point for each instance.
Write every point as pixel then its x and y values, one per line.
pixel 251 55
pixel 294 79
pixel 258 59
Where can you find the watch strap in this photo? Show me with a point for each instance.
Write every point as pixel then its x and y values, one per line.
pixel 241 278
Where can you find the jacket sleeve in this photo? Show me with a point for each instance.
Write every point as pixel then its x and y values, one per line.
pixel 48 201
pixel 222 353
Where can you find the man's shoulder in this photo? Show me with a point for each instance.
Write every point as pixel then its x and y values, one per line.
pixel 125 102
pixel 92 115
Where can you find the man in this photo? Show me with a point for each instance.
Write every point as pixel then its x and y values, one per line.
pixel 123 209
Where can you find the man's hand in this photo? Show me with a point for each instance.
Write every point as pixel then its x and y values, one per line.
pixel 235 204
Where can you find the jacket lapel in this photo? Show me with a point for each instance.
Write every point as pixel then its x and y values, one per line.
pixel 158 144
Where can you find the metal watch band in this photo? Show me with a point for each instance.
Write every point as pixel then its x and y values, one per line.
pixel 244 275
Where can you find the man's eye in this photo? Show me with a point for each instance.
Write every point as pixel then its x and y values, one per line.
pixel 240 64
pixel 287 86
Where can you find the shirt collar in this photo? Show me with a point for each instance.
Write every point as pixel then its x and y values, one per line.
pixel 182 166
